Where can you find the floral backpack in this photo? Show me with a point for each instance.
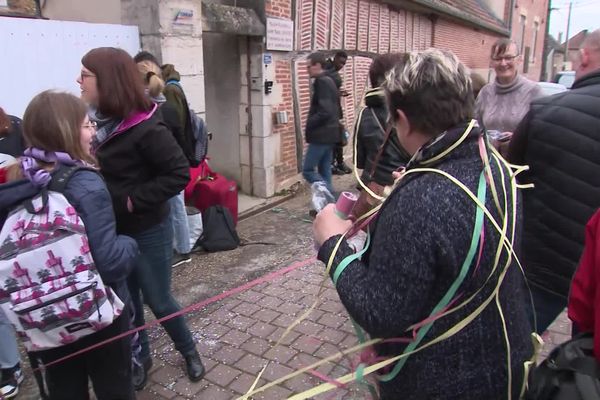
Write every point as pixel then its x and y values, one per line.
pixel 50 289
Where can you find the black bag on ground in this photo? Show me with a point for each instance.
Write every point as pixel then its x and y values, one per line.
pixel 570 372
pixel 219 230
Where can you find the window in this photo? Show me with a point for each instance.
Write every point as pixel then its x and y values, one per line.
pixel 522 23
pixel 536 28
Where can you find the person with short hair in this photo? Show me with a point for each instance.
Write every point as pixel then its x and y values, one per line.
pixel 503 103
pixel 559 140
pixel 143 167
pixel 426 240
pixel 322 124
pixel 333 68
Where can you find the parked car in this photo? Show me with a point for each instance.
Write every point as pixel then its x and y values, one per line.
pixel 549 88
pixel 565 78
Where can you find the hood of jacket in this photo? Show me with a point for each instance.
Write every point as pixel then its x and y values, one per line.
pixel 375 98
pixel 169 73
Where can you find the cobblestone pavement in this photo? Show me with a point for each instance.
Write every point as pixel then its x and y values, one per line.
pixel 236 335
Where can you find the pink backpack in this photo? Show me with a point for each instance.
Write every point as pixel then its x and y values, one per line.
pixel 50 289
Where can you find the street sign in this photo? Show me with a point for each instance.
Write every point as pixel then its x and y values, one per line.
pixel 268 58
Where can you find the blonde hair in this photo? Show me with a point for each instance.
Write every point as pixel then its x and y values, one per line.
pixel 152 77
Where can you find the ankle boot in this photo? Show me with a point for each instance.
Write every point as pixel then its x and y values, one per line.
pixel 194 367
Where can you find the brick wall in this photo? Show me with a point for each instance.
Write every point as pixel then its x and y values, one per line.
pixel 365 28
pixel 279 8
pixel 534 11
pixel 471 47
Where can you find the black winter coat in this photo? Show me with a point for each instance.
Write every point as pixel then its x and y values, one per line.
pixel 323 122
pixel 146 165
pixel 370 136
pixel 419 243
pixel 12 143
pixel 560 141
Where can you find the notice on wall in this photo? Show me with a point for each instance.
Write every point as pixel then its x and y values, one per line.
pixel 183 21
pixel 3 3
pixel 280 34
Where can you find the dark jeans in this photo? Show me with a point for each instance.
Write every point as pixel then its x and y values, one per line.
pixel 547 307
pixel 108 367
pixel 338 154
pixel 318 156
pixel 152 276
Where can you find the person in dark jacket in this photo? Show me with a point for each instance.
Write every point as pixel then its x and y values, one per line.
pixel 11 138
pixel 143 167
pixel 57 122
pixel 560 141
pixel 370 128
pixel 322 124
pixel 422 256
pixel 333 68
pixel 176 99
pixel 178 216
pixel 370 132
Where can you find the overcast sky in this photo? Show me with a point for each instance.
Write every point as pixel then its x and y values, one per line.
pixel 585 15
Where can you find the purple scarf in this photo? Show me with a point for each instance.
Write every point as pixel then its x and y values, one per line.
pixel 37 175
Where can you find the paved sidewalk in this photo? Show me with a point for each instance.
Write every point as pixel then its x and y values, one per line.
pixel 236 338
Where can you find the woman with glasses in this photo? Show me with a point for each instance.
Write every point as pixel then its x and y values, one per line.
pixel 143 167
pixel 503 103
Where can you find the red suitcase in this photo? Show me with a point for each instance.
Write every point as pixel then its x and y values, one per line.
pixel 208 188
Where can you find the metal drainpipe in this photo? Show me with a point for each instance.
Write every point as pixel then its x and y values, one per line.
pixel 249 127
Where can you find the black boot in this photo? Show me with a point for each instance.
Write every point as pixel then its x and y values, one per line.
pixel 194 367
pixel 139 374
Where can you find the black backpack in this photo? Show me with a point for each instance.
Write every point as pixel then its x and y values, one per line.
pixel 219 232
pixel 569 373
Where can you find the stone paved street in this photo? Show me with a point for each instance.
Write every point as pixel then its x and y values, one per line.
pixel 236 335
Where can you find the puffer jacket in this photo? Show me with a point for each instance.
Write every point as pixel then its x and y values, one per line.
pixel 369 136
pixel 560 141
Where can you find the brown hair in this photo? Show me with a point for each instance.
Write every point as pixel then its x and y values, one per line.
pixel 501 47
pixel 381 65
pixel 52 122
pixel 120 86
pixel 4 122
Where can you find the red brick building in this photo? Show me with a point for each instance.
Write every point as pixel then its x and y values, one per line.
pixel 365 28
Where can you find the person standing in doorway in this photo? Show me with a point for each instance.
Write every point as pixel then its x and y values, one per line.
pixel 503 103
pixel 559 140
pixel 333 68
pixel 322 124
